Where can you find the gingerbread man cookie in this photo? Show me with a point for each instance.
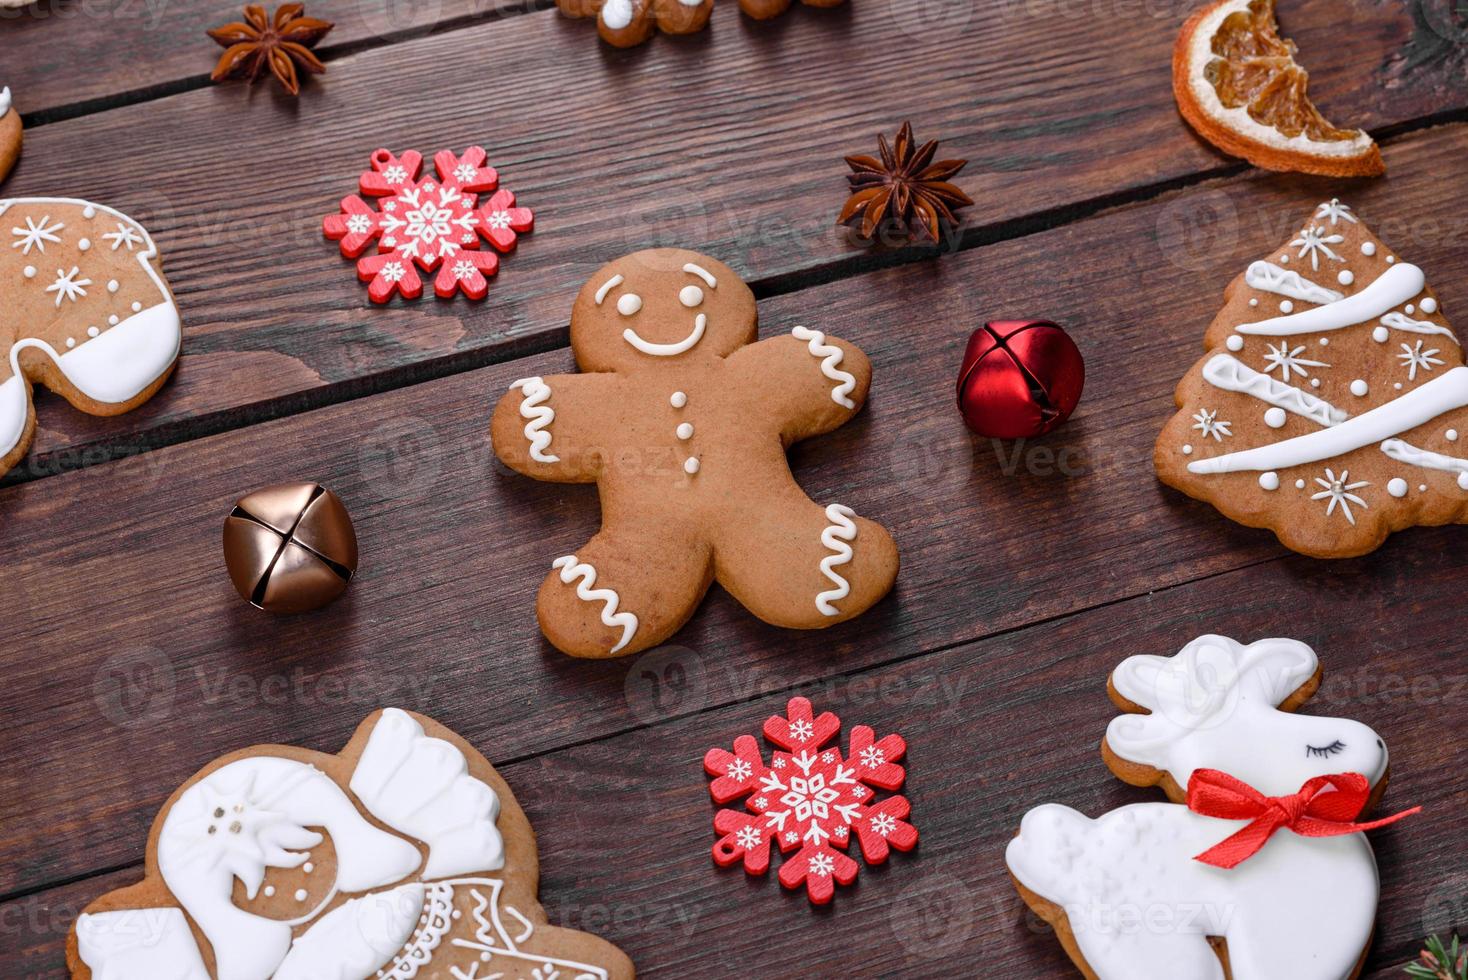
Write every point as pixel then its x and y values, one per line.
pixel 1138 893
pixel 682 421
pixel 10 133
pixel 404 856
pixel 1330 403
pixel 87 313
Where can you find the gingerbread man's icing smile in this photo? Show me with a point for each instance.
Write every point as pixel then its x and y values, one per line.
pixel 683 422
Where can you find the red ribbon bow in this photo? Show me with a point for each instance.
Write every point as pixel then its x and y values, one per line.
pixel 1325 806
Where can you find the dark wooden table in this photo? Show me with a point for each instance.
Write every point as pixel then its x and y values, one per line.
pixel 129 661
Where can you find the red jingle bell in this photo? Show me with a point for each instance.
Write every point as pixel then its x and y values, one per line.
pixel 1020 378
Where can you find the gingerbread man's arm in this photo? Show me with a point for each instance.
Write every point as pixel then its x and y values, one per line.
pixel 550 428
pixel 808 382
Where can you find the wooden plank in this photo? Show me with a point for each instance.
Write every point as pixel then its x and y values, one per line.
pixel 82 57
pixel 743 161
pixel 994 728
pixel 455 547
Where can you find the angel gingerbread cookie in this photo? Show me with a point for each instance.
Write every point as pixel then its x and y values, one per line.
pixel 10 133
pixel 1259 870
pixel 1330 403
pixel 403 856
pixel 87 313
pixel 628 23
pixel 682 421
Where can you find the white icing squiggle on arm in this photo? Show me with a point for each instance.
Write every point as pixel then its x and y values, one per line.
pixel 533 407
pixel 831 356
pixel 571 569
pixel 1231 374
pixel 837 539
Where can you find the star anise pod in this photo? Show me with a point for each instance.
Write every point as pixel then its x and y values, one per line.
pixel 281 43
pixel 906 187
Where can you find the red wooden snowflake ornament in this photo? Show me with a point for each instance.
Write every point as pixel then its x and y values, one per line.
pixel 428 224
pixel 811 800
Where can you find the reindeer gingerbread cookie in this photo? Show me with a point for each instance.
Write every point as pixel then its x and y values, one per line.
pixel 10 133
pixel 1262 872
pixel 404 856
pixel 682 421
pixel 87 313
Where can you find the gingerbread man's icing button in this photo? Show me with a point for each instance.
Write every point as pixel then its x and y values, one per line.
pixel 678 400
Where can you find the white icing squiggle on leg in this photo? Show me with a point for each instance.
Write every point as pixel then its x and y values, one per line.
pixel 541 415
pixel 831 356
pixel 1231 374
pixel 837 539
pixel 571 569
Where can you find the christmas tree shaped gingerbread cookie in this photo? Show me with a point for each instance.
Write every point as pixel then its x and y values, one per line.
pixel 403 857
pixel 1332 405
pixel 682 421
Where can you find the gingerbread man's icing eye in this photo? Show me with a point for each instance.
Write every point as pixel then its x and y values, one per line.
pixel 690 296
pixel 628 304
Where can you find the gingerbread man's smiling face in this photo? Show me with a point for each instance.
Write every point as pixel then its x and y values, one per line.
pixel 661 307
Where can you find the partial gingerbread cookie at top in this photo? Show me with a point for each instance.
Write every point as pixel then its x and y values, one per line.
pixel 683 421
pixel 10 133
pixel 1332 404
pixel 628 23
pixel 87 313
pixel 403 856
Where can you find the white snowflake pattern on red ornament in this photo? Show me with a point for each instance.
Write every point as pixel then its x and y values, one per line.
pixel 811 800
pixel 432 223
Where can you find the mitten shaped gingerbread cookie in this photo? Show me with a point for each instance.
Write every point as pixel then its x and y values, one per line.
pixel 404 856
pixel 10 133
pixel 87 313
pixel 683 422
pixel 1263 872
pixel 1330 403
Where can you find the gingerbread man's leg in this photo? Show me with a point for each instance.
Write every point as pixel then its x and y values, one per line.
pixel 799 564
pixel 629 588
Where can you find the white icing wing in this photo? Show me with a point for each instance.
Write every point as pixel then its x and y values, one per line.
pixel 356 939
pixel 420 786
pixel 137 943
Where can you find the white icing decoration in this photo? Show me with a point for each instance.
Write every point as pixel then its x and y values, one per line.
pixel 617 14
pixel 1393 288
pixel 421 787
pixel 1399 322
pixel 1413 358
pixel 606 287
pixel 1234 343
pixel 259 808
pixel 1346 277
pixel 1397 487
pixel 35 234
pixel 1381 335
pixel 1275 418
pixel 1441 395
pixel 1187 449
pixel 1299 484
pixel 1360 388
pixel 492 940
pixel 1214 705
pixel 668 350
pixel 136 943
pixel 540 415
pixel 1271 278
pixel 831 357
pixel 355 939
pixel 1231 374
pixel 571 569
pixel 1315 243
pixel 1429 305
pixel 678 399
pixel 1335 210
pixel 1368 248
pixel 629 304
pixel 300 894
pixel 685 431
pixel 699 270
pixel 85 244
pixel 1339 491
pixel 29 272
pixel 1452 435
pixel 1285 306
pixel 1269 481
pixel 837 539
pixel 1404 452
pixel 4 100
pixel 690 296
pixel 690 466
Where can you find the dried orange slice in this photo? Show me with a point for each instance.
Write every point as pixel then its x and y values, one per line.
pixel 1237 84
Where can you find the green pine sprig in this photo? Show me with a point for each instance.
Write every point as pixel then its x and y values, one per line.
pixel 1440 961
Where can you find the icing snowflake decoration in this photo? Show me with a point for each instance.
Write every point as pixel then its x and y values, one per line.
pixel 1339 490
pixel 1286 359
pixel 1413 358
pixel 36 234
pixel 1335 211
pixel 1314 242
pixel 810 800
pixel 1208 424
pixel 428 223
